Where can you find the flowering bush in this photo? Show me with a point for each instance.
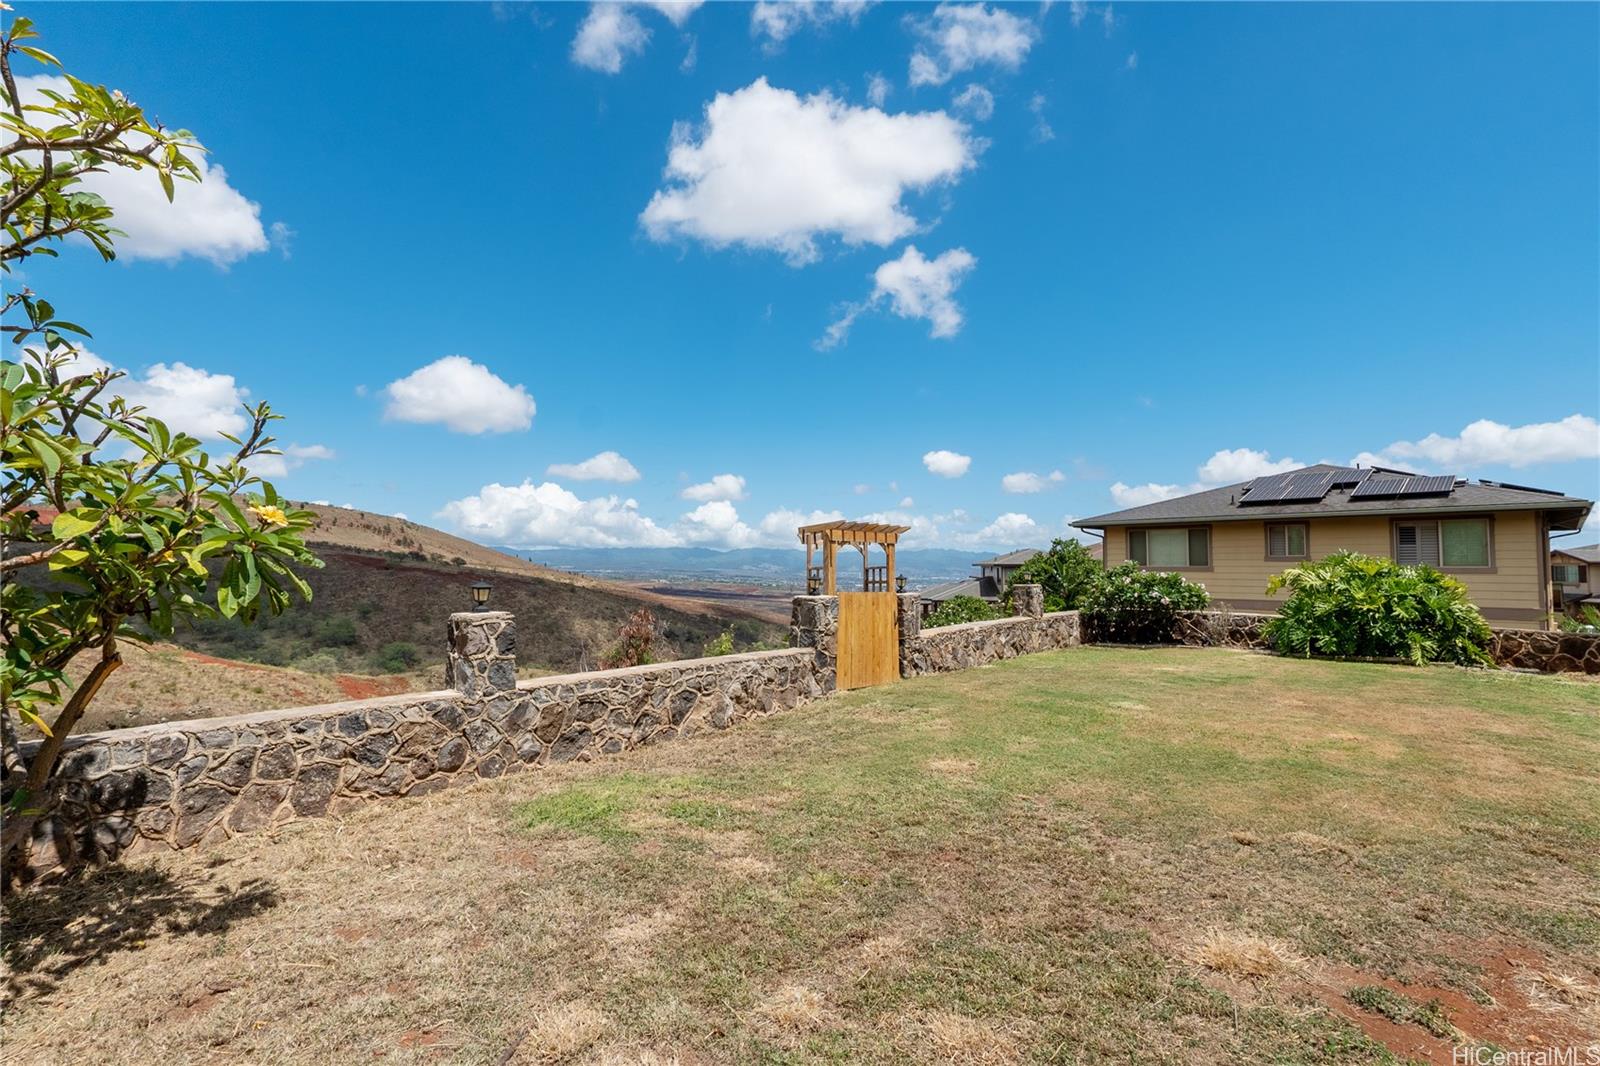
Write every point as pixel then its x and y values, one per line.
pixel 960 609
pixel 1130 605
pixel 1351 604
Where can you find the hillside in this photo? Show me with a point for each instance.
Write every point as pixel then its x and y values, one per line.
pixel 784 567
pixel 380 602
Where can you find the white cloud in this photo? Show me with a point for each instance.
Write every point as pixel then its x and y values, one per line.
pixel 861 488
pixel 1132 62
pixel 770 169
pixel 1080 9
pixel 1241 464
pixel 878 90
pixel 532 516
pixel 777 20
pixel 716 523
pixel 1486 443
pixel 1225 467
pixel 976 101
pixel 721 487
pixel 1024 482
pixel 1009 528
pixel 608 34
pixel 291 457
pixel 907 501
pixel 946 463
pixel 915 287
pixel 1139 495
pixel 676 11
pixel 957 37
pixel 208 220
pixel 460 394
pixel 607 466
pixel 778 527
pixel 1043 132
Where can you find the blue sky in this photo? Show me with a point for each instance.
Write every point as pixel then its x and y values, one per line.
pixel 1123 250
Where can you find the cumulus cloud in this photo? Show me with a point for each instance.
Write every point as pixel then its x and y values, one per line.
pixel 197 402
pixel 1487 443
pixel 547 515
pixel 607 466
pixel 907 501
pixel 721 487
pixel 777 20
pixel 1043 132
pixel 1024 482
pixel 209 220
pixel 1009 528
pixel 607 36
pixel 676 11
pixel 779 526
pixel 957 37
pixel 717 523
pixel 915 287
pixel 976 101
pixel 770 169
pixel 461 395
pixel 946 463
pixel 1225 467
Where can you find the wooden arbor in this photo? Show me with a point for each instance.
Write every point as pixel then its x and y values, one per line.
pixel 823 580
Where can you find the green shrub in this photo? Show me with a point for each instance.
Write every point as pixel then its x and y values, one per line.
pixel 1587 621
pixel 960 609
pixel 1066 571
pixel 1131 605
pixel 337 632
pixel 721 644
pixel 398 656
pixel 1357 605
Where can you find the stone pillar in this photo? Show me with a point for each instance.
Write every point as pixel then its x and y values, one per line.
pixel 814 623
pixel 908 611
pixel 482 657
pixel 1027 600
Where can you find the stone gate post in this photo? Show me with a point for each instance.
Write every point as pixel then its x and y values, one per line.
pixel 1027 600
pixel 482 653
pixel 909 614
pixel 814 623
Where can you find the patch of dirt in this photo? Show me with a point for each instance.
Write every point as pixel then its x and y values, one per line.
pixel 356 687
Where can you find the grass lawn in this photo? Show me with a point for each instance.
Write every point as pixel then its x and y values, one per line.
pixel 1098 855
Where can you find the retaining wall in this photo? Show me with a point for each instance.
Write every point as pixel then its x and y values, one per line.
pixel 970 644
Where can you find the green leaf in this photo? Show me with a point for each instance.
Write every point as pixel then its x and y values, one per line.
pixel 74 523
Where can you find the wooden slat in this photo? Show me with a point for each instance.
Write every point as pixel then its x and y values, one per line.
pixel 869 652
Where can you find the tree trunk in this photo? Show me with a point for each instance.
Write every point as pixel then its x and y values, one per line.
pixel 19 825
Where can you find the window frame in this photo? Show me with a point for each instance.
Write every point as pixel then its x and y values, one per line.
pixel 1211 548
pixel 1579 577
pixel 1438 521
pixel 1266 532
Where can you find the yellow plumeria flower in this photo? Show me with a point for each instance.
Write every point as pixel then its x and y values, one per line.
pixel 269 515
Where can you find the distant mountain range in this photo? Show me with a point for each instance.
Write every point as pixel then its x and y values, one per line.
pixel 759 566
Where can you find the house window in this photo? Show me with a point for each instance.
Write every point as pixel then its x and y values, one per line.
pixel 1171 548
pixel 1450 543
pixel 1567 574
pixel 1287 540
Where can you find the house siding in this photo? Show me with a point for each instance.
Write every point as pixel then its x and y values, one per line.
pixel 1510 593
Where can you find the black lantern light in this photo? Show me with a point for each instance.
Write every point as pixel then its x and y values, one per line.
pixel 480 595
pixel 813 585
pixel 899 582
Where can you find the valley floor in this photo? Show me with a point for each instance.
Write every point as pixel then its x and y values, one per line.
pixel 1093 855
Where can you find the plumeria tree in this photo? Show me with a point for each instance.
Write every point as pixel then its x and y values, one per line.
pixel 113 525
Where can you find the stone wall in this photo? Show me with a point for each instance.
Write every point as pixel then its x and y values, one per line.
pixel 1546 651
pixel 183 783
pixel 961 647
pixel 1222 629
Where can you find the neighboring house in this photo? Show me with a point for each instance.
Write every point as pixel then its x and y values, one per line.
pixel 1575 576
pixel 1493 536
pixel 989 584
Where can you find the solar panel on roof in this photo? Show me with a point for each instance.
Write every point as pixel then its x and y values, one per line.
pixel 1378 486
pixel 1346 476
pixel 1437 485
pixel 1267 489
pixel 1307 486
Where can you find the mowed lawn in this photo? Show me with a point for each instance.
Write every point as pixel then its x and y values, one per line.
pixel 1097 855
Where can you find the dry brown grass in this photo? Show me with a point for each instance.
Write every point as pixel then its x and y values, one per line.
pixel 803 889
pixel 1252 958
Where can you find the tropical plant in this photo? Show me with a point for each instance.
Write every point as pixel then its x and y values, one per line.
pixel 1131 605
pixel 108 517
pixel 959 609
pixel 635 641
pixel 1066 571
pixel 1354 605
pixel 1587 620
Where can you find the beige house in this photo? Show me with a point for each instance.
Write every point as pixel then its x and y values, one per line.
pixel 1575 576
pixel 1495 537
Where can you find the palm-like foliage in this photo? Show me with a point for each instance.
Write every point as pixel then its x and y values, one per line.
pixel 1354 605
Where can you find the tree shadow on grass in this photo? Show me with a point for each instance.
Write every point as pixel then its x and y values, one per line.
pixel 52 930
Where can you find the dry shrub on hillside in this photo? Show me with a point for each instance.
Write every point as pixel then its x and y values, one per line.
pixel 1252 958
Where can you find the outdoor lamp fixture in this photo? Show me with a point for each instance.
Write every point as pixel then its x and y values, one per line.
pixel 899 582
pixel 813 585
pixel 480 595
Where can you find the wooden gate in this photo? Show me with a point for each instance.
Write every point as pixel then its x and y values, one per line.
pixel 869 639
